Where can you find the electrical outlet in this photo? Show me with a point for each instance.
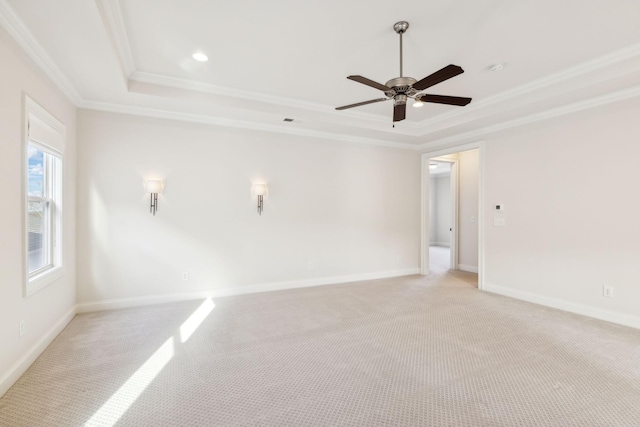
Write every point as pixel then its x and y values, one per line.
pixel 607 291
pixel 185 276
pixel 21 327
pixel 310 265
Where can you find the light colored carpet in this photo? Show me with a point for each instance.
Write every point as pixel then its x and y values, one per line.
pixel 412 351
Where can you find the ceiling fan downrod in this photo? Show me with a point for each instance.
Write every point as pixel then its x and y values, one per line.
pixel 400 28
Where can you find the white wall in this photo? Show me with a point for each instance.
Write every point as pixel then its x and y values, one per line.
pixel 468 210
pixel 569 186
pixel 348 209
pixel 48 310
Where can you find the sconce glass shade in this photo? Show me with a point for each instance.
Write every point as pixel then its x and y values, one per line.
pixel 153 186
pixel 259 189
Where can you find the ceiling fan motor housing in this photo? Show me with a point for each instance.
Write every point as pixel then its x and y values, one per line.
pixel 401 86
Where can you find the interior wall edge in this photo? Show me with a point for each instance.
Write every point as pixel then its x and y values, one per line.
pixel 21 366
pixel 584 310
pixel 117 303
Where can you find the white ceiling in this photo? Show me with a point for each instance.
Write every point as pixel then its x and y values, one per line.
pixel 287 58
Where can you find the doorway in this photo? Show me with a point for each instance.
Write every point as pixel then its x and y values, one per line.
pixel 465 231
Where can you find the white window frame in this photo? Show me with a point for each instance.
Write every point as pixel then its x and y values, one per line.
pixel 46 133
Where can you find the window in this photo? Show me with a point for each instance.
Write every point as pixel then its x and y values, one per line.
pixel 41 208
pixel 43 197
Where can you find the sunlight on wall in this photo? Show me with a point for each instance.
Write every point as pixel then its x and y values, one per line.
pixel 192 323
pixel 109 414
pixel 100 220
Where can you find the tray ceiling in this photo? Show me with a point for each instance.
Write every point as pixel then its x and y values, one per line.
pixel 285 58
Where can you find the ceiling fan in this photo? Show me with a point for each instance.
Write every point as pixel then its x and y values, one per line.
pixel 401 88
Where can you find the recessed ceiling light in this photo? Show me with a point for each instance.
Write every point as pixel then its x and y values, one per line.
pixel 499 66
pixel 199 56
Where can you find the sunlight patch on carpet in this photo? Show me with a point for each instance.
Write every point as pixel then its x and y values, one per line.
pixel 128 393
pixel 198 316
pixel 109 414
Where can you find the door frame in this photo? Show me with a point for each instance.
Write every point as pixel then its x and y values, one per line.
pixel 424 196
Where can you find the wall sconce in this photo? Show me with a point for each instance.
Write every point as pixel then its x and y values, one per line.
pixel 153 187
pixel 259 190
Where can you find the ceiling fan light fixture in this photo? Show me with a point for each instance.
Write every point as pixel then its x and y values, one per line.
pixel 418 103
pixel 200 57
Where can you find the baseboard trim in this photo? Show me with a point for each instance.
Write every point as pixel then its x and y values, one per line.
pixel 21 366
pixel 596 313
pixel 118 303
pixel 468 268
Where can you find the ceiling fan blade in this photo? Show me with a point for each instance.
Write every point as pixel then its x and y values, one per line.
pixel 438 77
pixel 344 107
pixel 366 81
pixel 399 112
pixel 441 99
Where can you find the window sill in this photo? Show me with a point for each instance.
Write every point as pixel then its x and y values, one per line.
pixel 35 283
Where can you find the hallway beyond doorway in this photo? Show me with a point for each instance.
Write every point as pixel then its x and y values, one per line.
pixel 439 259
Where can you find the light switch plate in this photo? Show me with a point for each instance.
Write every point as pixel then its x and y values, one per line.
pixel 499 222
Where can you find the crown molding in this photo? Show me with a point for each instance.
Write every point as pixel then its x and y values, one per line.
pixel 239 124
pixel 591 66
pixel 532 118
pixel 185 84
pixel 459 138
pixel 25 39
pixel 113 20
pixel 410 128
